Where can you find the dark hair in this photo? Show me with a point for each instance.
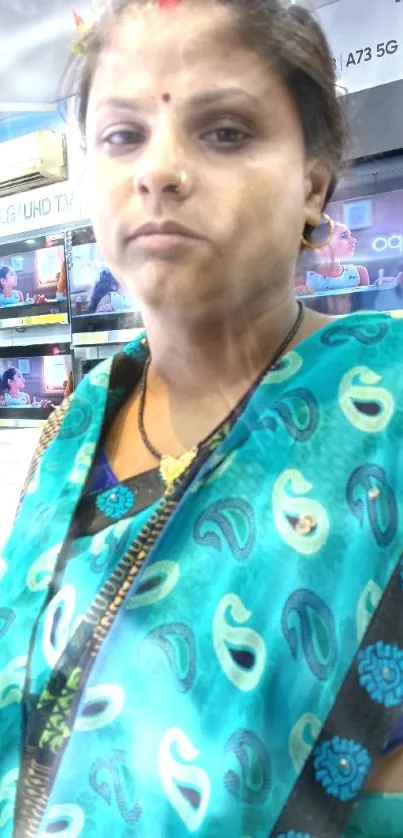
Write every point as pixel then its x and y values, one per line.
pixel 4 273
pixel 290 38
pixel 105 285
pixel 7 376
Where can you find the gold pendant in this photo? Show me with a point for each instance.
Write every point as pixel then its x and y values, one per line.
pixel 172 467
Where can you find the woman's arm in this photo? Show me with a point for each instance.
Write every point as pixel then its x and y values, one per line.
pixel 104 305
pixel 364 275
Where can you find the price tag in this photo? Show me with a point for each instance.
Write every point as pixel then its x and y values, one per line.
pixel 38 320
pixel 90 338
pixel 22 423
pixel 113 336
pixel 51 318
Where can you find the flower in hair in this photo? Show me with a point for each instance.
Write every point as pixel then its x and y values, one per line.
pixel 83 29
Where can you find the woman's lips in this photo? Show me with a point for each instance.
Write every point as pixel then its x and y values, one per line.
pixel 164 228
pixel 167 237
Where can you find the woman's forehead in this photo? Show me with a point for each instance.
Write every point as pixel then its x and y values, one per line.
pixel 192 44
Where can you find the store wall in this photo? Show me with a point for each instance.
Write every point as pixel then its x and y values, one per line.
pixel 16 451
pixel 376 119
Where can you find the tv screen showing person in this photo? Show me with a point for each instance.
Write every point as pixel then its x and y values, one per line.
pixel 363 256
pixel 334 269
pixel 93 288
pixel 12 386
pixel 108 296
pixel 33 274
pixel 34 381
pixel 10 295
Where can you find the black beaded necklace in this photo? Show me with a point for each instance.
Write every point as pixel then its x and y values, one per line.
pixel 172 467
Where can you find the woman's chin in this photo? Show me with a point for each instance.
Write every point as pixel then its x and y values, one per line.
pixel 175 290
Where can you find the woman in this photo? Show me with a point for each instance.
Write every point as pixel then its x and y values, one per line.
pixel 9 294
pixel 190 592
pixel 106 296
pixel 12 383
pixel 331 272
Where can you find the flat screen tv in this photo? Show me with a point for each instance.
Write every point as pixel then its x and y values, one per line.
pixel 33 282
pixel 361 269
pixel 33 380
pixel 97 300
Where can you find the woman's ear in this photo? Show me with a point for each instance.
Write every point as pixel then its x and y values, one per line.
pixel 317 181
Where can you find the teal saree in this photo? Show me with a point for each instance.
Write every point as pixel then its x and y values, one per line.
pixel 171 674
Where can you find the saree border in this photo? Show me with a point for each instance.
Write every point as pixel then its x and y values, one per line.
pixel 356 730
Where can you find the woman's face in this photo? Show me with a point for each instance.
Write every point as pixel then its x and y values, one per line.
pixel 341 247
pixel 9 281
pixel 177 97
pixel 18 382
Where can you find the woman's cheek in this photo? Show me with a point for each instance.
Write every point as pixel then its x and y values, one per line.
pixel 99 176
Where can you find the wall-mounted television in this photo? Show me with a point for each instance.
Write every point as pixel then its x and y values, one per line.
pixel 362 266
pixel 97 300
pixel 33 380
pixel 33 282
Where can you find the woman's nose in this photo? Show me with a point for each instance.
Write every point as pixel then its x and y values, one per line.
pixel 157 181
pixel 164 169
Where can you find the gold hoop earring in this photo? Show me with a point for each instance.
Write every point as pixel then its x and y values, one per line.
pixel 319 245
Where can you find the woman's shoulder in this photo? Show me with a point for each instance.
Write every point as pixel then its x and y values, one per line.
pixel 349 344
pixel 376 326
pixel 352 340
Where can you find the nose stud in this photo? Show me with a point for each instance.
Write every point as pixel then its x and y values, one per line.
pixel 176 184
pixel 181 183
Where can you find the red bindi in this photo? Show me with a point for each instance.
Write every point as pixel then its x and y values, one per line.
pixel 168 4
pixel 166 97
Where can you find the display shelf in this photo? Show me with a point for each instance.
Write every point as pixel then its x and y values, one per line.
pixel 36 336
pixel 10 423
pixel 40 320
pixel 117 336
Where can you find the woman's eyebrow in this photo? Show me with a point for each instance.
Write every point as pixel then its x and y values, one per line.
pixel 210 97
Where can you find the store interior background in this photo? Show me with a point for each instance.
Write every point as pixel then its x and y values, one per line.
pixel 61 323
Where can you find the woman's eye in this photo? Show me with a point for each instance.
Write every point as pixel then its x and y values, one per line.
pixel 226 136
pixel 123 139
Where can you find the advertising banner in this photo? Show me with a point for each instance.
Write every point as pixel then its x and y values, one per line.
pixel 59 203
pixel 366 37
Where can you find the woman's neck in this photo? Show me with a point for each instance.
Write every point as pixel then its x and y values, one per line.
pixel 334 269
pixel 7 292
pixel 221 358
pixel 196 378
